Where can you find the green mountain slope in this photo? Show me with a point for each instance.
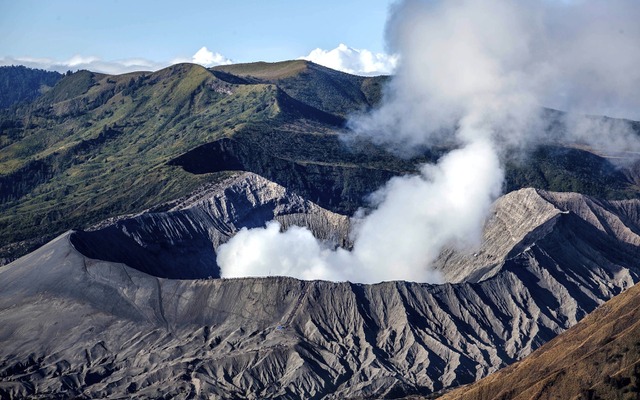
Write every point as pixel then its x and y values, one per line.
pixel 97 146
pixel 328 90
pixel 19 83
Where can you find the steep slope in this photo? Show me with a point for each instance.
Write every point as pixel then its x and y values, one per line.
pixel 181 243
pixel 599 358
pixel 98 146
pixel 337 185
pixel 321 87
pixel 523 218
pixel 19 84
pixel 281 337
pixel 63 154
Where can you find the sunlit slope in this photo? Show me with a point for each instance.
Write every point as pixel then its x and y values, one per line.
pixel 597 359
pixel 318 86
pixel 97 146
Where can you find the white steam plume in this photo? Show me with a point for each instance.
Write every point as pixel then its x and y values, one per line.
pixel 472 75
pixel 510 57
pixel 412 219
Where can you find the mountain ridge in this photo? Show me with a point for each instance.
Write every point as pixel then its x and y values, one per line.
pixel 65 155
pixel 281 337
pixel 357 93
pixel 180 243
pixel 21 84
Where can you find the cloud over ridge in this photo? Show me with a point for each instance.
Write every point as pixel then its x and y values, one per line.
pixel 354 61
pixel 204 57
pixel 342 58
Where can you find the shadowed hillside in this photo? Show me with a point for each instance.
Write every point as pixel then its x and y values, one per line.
pixel 328 90
pixel 22 84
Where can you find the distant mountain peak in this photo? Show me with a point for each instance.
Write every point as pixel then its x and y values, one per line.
pixel 266 70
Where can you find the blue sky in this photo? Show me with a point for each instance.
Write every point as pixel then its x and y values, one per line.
pixel 162 31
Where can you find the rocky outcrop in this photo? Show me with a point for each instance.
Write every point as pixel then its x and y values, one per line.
pixel 86 327
pixel 515 216
pixel 521 218
pixel 181 243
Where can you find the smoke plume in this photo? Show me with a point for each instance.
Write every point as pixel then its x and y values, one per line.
pixel 473 76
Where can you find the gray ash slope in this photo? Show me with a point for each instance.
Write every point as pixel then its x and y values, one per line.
pixel 73 325
pixel 181 242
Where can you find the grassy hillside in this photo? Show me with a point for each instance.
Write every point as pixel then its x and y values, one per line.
pixel 597 359
pixel 97 146
pixel 323 88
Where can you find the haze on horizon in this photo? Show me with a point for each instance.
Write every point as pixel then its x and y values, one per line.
pixel 116 37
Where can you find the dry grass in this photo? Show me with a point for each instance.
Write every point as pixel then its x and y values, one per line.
pixel 599 358
pixel 264 70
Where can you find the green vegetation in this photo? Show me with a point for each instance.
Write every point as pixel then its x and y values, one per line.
pixel 76 155
pixel 562 169
pixel 18 84
pixel 323 88
pixel 266 71
pixel 98 146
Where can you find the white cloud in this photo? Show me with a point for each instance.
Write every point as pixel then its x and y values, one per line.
pixel 208 58
pixel 203 57
pixel 90 63
pixel 354 61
